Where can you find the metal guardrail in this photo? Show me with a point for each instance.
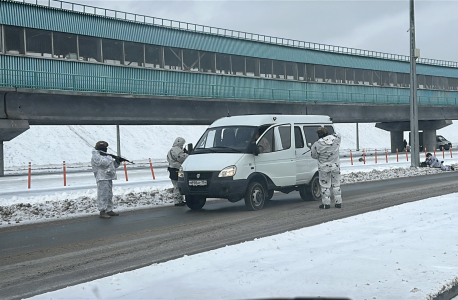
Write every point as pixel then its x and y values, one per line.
pixel 125 16
pixel 105 84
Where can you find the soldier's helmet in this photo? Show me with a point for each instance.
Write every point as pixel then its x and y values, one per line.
pixel 101 145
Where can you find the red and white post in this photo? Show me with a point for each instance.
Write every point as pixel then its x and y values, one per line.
pixel 65 175
pixel 125 171
pixel 152 171
pixel 30 174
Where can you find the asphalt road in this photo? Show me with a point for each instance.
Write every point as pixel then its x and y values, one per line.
pixel 38 258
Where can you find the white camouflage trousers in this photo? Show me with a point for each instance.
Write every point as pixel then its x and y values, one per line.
pixel 177 197
pixel 330 183
pixel 105 195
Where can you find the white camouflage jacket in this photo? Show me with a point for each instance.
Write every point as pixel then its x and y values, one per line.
pixel 326 151
pixel 104 167
pixel 176 155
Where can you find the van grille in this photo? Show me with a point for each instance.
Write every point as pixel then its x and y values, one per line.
pixel 202 175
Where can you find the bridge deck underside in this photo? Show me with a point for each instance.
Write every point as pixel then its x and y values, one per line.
pixel 63 108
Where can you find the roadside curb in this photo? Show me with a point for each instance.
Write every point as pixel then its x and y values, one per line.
pixel 449 293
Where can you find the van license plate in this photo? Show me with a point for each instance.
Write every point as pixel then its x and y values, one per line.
pixel 197 182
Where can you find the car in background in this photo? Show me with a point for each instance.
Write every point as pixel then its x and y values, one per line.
pixel 442 142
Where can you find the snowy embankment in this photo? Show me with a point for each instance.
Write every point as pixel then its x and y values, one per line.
pixel 67 205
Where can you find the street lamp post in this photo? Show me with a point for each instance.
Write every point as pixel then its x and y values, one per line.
pixel 414 143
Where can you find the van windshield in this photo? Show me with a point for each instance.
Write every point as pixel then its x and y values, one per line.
pixel 228 139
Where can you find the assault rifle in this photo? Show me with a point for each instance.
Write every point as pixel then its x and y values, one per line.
pixel 118 158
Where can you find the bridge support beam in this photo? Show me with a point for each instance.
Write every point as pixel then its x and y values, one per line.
pixel 9 129
pixel 397 129
pixel 397 139
pixel 429 140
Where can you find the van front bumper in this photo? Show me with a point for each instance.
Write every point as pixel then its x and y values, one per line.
pixel 216 187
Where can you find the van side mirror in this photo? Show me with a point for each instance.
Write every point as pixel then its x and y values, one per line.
pixel 190 148
pixel 254 148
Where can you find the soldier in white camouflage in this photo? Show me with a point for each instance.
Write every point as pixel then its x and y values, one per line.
pixel 176 156
pixel 326 151
pixel 104 169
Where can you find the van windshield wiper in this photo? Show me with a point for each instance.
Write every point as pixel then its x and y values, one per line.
pixel 203 150
pixel 223 147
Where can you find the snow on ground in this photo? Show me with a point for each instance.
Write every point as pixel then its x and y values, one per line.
pixel 394 253
pixel 76 202
pixel 48 146
pixel 368 256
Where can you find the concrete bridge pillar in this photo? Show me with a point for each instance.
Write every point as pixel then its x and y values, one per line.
pixel 429 140
pixel 429 128
pixel 9 129
pixel 397 141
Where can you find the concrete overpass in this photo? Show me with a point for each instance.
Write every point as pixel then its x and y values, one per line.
pixel 20 108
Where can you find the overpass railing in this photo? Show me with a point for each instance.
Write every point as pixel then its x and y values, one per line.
pixel 138 18
pixel 104 84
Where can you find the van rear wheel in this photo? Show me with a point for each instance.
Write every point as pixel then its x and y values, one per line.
pixel 311 191
pixel 195 202
pixel 255 196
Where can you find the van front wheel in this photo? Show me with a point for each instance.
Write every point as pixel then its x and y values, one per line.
pixel 255 196
pixel 195 202
pixel 312 191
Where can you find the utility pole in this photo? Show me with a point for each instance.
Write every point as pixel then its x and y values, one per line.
pixel 414 54
pixel 118 141
pixel 357 137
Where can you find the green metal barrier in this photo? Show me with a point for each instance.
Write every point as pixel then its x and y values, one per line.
pixel 100 84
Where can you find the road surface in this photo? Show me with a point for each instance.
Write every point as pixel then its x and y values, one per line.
pixel 43 257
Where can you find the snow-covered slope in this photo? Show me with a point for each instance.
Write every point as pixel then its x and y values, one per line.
pixel 50 145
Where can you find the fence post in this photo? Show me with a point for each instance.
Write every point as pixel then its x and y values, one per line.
pixel 407 156
pixel 152 171
pixel 451 154
pixel 397 155
pixel 65 175
pixel 443 152
pixel 30 174
pixel 375 155
pixel 386 155
pixel 125 171
pixel 434 152
pixel 351 158
pixel 364 156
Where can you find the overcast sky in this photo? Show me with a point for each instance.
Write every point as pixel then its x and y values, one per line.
pixel 370 25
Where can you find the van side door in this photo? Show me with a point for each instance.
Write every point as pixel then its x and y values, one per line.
pixel 276 158
pixel 302 156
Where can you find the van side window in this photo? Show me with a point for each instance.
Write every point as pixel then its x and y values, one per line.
pixel 266 142
pixel 284 140
pixel 299 140
pixel 310 134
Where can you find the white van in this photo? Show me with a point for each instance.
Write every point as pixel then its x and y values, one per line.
pixel 251 156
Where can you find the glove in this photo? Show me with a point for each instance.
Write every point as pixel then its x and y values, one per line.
pixel 103 153
pixel 118 160
pixel 185 150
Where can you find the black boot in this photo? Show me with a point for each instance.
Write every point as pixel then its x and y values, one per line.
pixel 338 205
pixel 322 206
pixel 104 215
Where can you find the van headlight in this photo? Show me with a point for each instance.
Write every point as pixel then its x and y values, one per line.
pixel 180 172
pixel 228 171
